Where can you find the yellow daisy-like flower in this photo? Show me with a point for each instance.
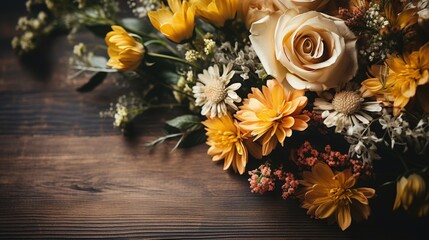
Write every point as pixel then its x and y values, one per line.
pixel 272 114
pixel 124 51
pixel 408 72
pixel 405 74
pixel 332 196
pixel 177 24
pixel 226 142
pixel 216 11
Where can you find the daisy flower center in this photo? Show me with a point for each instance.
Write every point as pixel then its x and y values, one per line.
pixel 347 102
pixel 215 91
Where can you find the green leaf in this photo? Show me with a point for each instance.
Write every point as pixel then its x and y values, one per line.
pixel 193 138
pixel 136 25
pixel 93 82
pixel 99 30
pixel 170 77
pixel 185 123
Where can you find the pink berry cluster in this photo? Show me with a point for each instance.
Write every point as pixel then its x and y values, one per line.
pixel 306 156
pixel 261 180
pixel 354 17
pixel 316 121
pixel 290 185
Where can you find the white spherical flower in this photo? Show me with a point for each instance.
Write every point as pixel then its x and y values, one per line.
pixel 213 93
pixel 345 109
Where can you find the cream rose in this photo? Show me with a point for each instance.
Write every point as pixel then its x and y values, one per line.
pixel 311 50
pixel 304 5
pixel 253 10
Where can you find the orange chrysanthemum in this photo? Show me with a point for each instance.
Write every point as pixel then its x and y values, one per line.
pixel 271 112
pixel 226 142
pixel 405 74
pixel 332 196
pixel 400 19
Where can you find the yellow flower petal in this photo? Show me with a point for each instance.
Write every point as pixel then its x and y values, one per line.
pixel 344 217
pixel 270 112
pixel 177 24
pixel 124 51
pixel 216 11
pixel 226 142
pixel 334 197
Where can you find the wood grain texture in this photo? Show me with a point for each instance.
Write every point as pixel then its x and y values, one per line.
pixel 66 173
pixel 72 185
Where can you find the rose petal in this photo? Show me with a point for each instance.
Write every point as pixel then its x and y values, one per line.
pixel 262 39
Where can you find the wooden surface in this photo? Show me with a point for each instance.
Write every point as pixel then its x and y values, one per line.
pixel 66 173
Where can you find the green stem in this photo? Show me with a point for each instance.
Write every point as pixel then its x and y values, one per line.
pixel 199 32
pixel 163 43
pixel 139 72
pixel 425 169
pixel 159 55
pixel 402 161
pixel 386 184
pixel 94 69
pixel 174 89
pixel 170 105
pixel 162 139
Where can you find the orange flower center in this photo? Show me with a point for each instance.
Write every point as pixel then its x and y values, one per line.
pixel 269 114
pixel 224 139
pixel 410 72
pixel 340 194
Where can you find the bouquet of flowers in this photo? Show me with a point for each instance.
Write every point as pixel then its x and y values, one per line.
pixel 326 101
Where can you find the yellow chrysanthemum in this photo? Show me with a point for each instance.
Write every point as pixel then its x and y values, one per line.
pixel 408 72
pixel 404 75
pixel 176 23
pixel 332 196
pixel 400 19
pixel 412 195
pixel 216 11
pixel 226 142
pixel 124 51
pixel 271 112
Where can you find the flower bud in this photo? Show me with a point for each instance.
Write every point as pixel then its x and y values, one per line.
pixel 412 195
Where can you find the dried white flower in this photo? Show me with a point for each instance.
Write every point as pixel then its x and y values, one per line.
pixel 213 93
pixel 345 109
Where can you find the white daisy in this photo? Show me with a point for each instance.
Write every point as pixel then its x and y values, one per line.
pixel 345 109
pixel 212 91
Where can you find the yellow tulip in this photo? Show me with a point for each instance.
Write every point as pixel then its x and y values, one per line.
pixel 177 24
pixel 216 11
pixel 124 51
pixel 412 195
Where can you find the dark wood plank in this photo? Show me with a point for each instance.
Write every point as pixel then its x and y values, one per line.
pixel 103 186
pixel 72 186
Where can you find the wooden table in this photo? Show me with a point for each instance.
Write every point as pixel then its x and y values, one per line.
pixel 66 173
